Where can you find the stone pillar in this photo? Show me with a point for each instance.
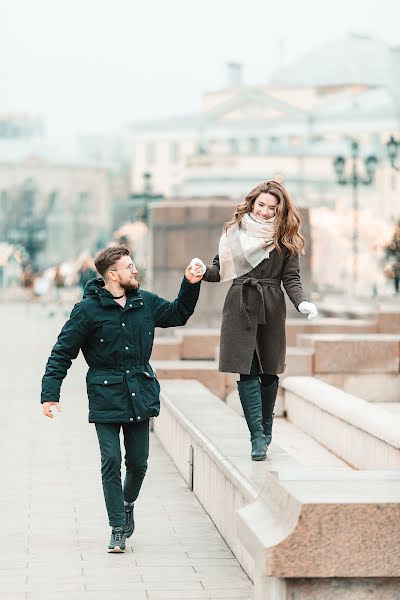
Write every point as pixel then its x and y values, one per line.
pixel 179 231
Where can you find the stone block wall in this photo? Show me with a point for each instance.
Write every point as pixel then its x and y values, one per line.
pixel 179 231
pixel 352 353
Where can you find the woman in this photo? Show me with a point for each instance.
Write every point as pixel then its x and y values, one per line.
pixel 258 250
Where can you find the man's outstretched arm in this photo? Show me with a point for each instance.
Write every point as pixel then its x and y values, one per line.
pixel 171 314
pixel 67 347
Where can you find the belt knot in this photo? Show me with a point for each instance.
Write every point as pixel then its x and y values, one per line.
pixel 257 283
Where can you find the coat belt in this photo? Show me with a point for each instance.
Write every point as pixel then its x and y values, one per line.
pixel 258 285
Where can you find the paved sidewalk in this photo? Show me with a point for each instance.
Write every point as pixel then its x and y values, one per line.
pixel 54 529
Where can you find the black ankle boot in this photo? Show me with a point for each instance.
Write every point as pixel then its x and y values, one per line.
pixel 250 397
pixel 268 397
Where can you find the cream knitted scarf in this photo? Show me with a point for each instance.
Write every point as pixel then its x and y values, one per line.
pixel 243 247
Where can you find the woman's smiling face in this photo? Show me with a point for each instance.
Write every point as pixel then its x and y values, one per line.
pixel 265 206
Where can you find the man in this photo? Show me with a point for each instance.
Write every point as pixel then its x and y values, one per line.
pixel 114 326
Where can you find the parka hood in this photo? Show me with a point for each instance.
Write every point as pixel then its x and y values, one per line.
pixel 96 287
pixel 93 287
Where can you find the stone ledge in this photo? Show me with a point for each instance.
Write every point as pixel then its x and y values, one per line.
pixel 340 309
pixel 354 353
pixel 388 319
pixel 167 348
pixel 281 520
pixel 200 344
pixel 332 527
pixel 373 387
pixel 204 371
pixel 364 435
pixel 218 427
pixel 299 361
pixel 295 327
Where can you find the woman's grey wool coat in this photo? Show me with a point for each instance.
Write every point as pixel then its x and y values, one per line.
pixel 254 313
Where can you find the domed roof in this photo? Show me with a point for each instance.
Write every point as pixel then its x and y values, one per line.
pixel 351 60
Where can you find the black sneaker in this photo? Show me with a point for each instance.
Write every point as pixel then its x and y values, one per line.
pixel 117 541
pixel 129 520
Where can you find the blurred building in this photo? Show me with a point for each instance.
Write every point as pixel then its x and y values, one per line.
pixel 113 151
pixel 57 207
pixel 51 208
pixel 23 127
pixel 293 126
pixel 55 212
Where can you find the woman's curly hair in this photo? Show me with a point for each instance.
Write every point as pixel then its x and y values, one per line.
pixel 287 222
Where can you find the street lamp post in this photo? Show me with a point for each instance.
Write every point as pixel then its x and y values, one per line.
pixel 355 179
pixel 141 202
pixel 30 235
pixel 392 147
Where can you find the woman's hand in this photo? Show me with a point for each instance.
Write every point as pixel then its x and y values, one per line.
pixel 308 308
pixel 194 273
pixel 195 262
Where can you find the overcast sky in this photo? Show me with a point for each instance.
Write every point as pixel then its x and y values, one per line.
pixel 93 65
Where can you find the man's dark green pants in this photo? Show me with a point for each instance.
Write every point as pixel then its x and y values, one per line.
pixel 136 442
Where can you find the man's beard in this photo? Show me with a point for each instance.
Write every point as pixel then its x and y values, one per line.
pixel 130 286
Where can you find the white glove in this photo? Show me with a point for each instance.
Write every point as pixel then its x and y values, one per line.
pixel 197 261
pixel 308 308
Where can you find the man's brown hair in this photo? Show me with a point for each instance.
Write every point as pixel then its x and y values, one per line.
pixel 108 257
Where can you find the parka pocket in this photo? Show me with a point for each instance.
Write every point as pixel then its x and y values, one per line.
pixel 106 392
pixel 150 390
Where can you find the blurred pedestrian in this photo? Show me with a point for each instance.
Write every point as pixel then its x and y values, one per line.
pixel 259 249
pixel 56 287
pixel 41 286
pixel 86 273
pixel 58 282
pixel 27 282
pixel 392 253
pixel 41 289
pixel 114 326
pixel 27 277
pixel 58 277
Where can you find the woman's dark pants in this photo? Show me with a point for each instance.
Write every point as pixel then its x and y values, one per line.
pixel 136 442
pixel 255 373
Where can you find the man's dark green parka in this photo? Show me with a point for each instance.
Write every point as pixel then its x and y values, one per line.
pixel 116 343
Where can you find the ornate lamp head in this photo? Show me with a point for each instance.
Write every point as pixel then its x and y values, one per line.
pixel 339 164
pixel 371 162
pixel 392 146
